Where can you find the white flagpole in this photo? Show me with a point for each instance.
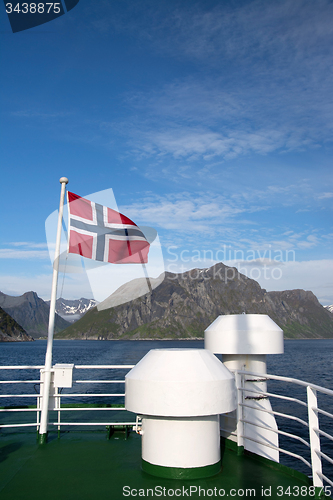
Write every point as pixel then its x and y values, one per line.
pixel 48 355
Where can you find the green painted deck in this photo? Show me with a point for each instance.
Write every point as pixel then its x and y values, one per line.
pixel 88 466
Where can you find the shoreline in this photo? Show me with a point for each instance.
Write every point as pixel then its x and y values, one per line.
pixel 170 339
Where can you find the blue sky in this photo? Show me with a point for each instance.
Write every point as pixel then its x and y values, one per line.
pixel 211 121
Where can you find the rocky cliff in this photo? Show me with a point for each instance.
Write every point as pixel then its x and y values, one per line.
pixel 31 312
pixel 183 305
pixel 10 330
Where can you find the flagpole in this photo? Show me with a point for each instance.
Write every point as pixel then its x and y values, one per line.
pixel 42 438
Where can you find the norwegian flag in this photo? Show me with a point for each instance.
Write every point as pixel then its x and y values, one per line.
pixel 102 234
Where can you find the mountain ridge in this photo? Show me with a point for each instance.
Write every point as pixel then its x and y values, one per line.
pixel 31 312
pixel 183 305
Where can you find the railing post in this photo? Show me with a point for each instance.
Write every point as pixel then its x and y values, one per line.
pixel 314 440
pixel 58 406
pixel 38 407
pixel 239 379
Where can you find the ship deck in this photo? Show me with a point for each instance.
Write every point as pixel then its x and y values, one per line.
pixel 87 466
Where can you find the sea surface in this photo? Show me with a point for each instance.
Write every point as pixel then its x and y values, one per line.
pixel 309 360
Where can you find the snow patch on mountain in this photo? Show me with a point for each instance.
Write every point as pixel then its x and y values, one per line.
pixel 73 310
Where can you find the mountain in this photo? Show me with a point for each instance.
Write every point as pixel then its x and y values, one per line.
pixel 183 305
pixel 31 312
pixel 72 310
pixel 329 308
pixel 10 330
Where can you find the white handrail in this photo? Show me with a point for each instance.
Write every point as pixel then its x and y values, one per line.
pixel 326 413
pixel 19 425
pixel 277 396
pixel 129 424
pixel 324 434
pixel 91 409
pixel 313 422
pixel 19 381
pixel 19 395
pixel 279 449
pixel 277 431
pixel 329 392
pixel 16 409
pixel 57 396
pixel 99 381
pixel 88 395
pixel 279 414
pixel 22 367
pixel 324 456
pixel 104 367
pixel 326 478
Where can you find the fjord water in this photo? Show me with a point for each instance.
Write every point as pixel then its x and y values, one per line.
pixel 308 360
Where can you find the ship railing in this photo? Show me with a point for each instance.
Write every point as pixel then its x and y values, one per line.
pixel 311 422
pixel 25 396
pixel 58 399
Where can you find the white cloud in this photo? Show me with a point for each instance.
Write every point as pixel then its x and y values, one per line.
pixel 184 212
pixel 10 253
pixel 193 143
pixel 311 241
pixel 190 132
pixel 29 244
pixel 325 196
pixel 236 221
pixel 250 31
pixel 265 83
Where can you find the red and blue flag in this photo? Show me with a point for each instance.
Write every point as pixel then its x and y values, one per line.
pixel 100 233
